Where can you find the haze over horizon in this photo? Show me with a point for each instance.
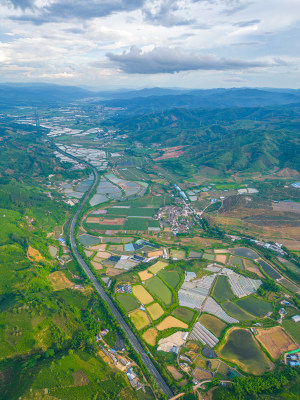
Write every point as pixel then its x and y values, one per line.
pixel 182 43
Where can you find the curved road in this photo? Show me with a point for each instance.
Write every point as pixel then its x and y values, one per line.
pixel 130 335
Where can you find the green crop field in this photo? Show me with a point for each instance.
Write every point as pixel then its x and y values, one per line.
pixel 293 328
pixel 142 212
pixel 236 312
pixel 209 257
pixel 242 349
pixel 172 278
pixel 134 224
pixel 101 227
pixel 212 323
pixel 255 306
pixel 184 314
pixel 221 291
pixel 237 261
pixel 159 290
pixel 128 301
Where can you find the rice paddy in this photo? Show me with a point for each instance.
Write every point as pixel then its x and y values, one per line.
pixel 213 324
pixel 140 319
pixel 155 311
pixel 150 336
pixel 128 301
pixel 158 289
pixel 236 312
pixel 141 294
pixel 172 278
pixel 184 314
pixel 158 266
pixel 221 290
pixel 171 322
pixel 255 306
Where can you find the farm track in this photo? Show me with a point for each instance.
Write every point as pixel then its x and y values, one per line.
pixel 130 335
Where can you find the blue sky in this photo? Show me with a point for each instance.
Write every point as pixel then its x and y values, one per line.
pixel 111 44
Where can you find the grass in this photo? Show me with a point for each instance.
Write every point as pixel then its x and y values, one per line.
pixel 242 349
pixel 140 319
pixel 213 324
pixel 172 278
pixel 155 311
pixel 236 312
pixel 221 291
pixel 159 290
pixel 293 328
pixel 184 313
pixel 128 301
pixel 255 306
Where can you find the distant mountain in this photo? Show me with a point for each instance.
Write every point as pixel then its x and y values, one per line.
pixel 229 140
pixel 213 98
pixel 145 100
pixel 39 94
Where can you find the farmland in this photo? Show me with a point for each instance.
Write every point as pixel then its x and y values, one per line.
pixel 236 312
pixel 172 278
pixel 242 349
pixel 140 319
pixel 275 341
pixel 155 311
pixel 141 294
pixel 184 313
pixel 215 325
pixel 221 291
pixel 293 328
pixel 150 336
pixel 255 306
pixel 171 322
pixel 128 301
pixel 158 289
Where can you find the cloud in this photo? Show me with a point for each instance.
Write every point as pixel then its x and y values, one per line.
pixel 61 10
pixel 244 24
pixel 164 13
pixel 22 4
pixel 171 60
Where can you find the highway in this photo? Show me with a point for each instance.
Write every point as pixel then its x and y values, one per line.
pixel 130 335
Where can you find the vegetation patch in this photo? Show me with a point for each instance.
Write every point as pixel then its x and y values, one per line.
pixel 213 324
pixel 255 306
pixel 155 310
pixel 221 291
pixel 184 313
pixel 171 322
pixel 128 301
pixel 140 319
pixel 159 289
pixel 141 293
pixel 237 262
pixel 242 349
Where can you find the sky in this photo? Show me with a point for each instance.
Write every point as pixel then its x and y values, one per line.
pixel 115 44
